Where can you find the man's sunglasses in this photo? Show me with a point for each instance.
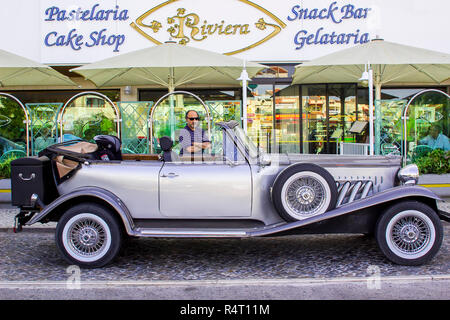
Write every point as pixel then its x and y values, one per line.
pixel 192 119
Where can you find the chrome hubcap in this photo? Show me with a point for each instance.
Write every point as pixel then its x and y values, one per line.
pixel 87 237
pixel 410 234
pixel 305 195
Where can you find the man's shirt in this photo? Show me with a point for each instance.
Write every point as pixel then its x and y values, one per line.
pixel 189 136
pixel 441 142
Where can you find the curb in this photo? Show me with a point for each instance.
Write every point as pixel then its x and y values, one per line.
pixel 234 282
pixel 31 230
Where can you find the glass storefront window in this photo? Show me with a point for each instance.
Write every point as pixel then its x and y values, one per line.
pixel 388 127
pixel 428 126
pixel 88 116
pixel 169 118
pixel 12 129
pixel 260 116
pixel 134 126
pixel 314 118
pixel 287 119
pixel 341 115
pixel 43 125
pixel 281 71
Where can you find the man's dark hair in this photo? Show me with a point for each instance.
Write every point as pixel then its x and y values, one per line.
pixel 438 127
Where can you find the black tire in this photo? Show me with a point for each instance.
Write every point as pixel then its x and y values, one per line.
pixel 88 235
pixel 409 233
pixel 304 190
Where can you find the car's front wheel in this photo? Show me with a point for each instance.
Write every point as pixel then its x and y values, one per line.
pixel 409 233
pixel 88 235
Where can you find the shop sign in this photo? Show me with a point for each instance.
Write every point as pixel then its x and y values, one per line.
pixel 184 24
pixel 257 30
pixel 77 40
pixel 229 27
pixel 336 15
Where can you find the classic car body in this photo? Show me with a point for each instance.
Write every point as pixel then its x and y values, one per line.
pixel 238 192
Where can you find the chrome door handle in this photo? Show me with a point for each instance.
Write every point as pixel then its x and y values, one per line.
pixel 33 175
pixel 169 175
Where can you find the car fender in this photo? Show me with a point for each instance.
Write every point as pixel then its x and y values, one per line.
pixel 93 192
pixel 396 193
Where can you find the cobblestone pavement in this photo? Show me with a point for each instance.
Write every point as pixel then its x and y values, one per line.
pixel 33 256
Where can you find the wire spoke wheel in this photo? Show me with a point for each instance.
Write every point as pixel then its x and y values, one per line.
pixel 88 235
pixel 305 194
pixel 409 233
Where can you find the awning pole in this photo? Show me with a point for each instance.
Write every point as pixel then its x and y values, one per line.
pixel 244 78
pixel 371 120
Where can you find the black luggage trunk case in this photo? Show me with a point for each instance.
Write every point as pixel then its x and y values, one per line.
pixel 32 175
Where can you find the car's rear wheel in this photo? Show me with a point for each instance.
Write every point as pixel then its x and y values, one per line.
pixel 303 191
pixel 88 235
pixel 409 233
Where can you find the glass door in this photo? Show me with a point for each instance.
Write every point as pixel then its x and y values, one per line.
pixel 260 127
pixel 287 119
pixel 342 114
pixel 314 119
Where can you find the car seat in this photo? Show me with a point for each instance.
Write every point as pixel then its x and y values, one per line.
pixel 166 144
pixel 108 147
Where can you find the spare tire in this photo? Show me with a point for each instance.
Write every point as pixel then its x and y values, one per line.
pixel 304 190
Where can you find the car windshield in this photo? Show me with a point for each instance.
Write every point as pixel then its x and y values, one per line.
pixel 246 142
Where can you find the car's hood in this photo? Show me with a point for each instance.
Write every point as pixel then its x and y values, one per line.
pixel 324 159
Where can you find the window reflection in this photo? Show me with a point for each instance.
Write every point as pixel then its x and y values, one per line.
pixel 260 116
pixel 287 119
pixel 314 118
pixel 342 114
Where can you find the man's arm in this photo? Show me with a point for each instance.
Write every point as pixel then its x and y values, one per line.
pixel 445 143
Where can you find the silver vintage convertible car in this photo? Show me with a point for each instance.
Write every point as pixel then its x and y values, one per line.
pixel 99 196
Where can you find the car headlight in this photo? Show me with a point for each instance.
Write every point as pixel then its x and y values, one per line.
pixel 409 175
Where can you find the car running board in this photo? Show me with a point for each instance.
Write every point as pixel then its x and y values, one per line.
pixel 190 233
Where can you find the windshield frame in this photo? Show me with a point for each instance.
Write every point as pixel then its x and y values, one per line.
pixel 250 149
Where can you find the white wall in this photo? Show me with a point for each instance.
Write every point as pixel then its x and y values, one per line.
pixel 412 22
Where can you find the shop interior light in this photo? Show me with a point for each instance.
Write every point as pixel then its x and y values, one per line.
pixel 127 90
pixel 364 80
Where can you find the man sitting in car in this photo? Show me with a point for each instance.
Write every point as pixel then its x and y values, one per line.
pixel 193 139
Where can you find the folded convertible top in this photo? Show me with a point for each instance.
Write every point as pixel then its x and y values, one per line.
pixel 67 156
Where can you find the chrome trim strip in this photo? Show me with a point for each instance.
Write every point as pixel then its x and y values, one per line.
pixel 189 233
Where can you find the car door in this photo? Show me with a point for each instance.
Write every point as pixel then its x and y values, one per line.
pixel 219 187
